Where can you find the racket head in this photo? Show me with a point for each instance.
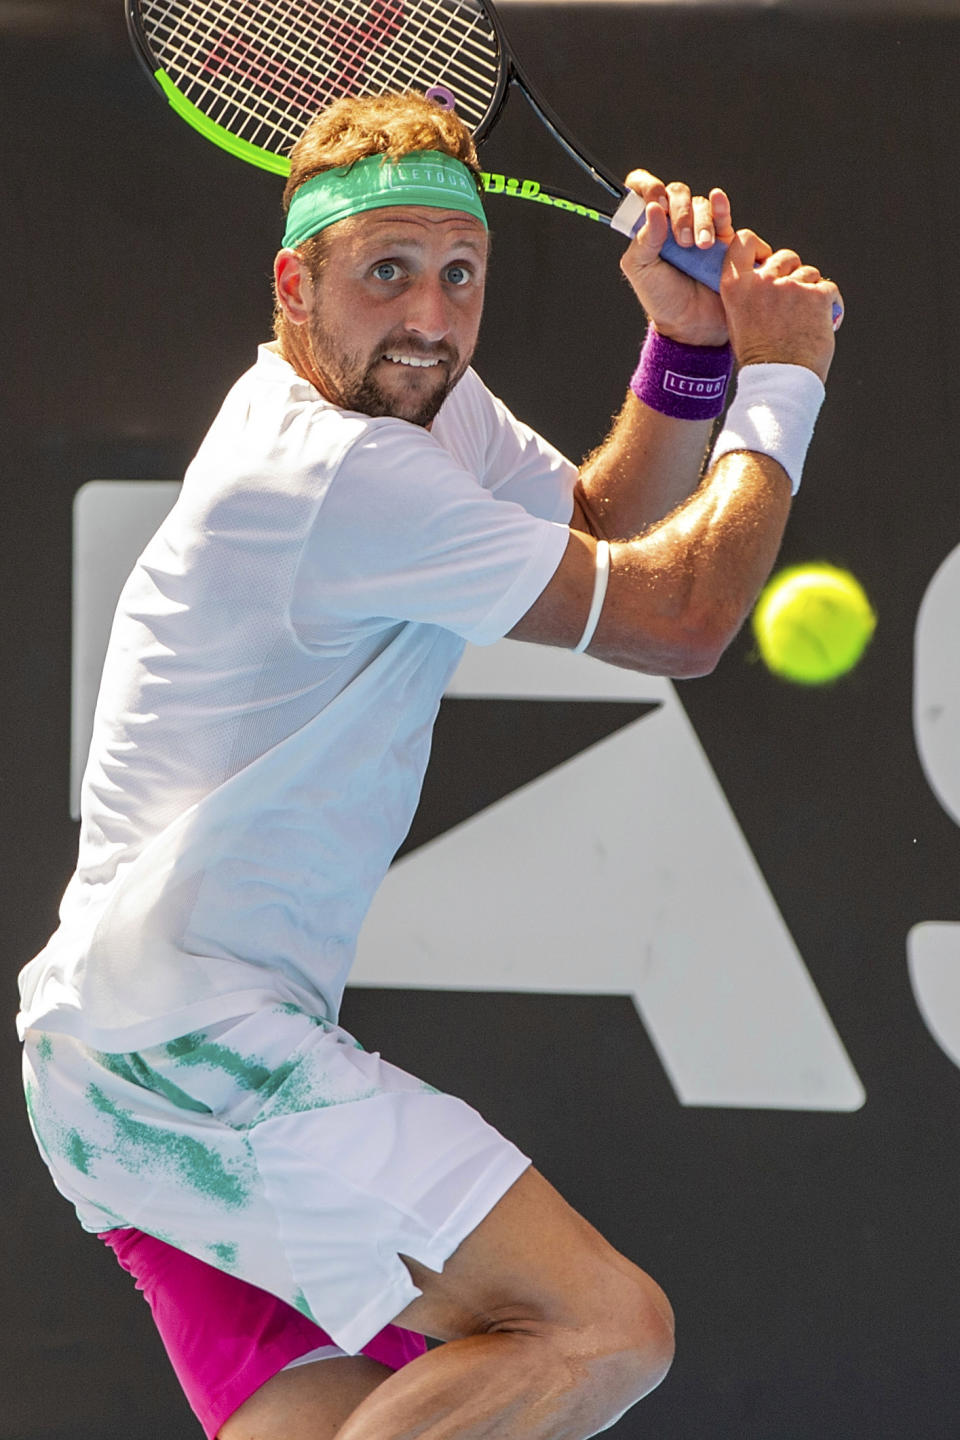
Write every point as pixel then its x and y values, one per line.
pixel 250 74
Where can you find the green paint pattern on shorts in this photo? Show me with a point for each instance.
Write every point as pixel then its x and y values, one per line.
pixel 29 1094
pixel 301 1303
pixel 225 1256
pixel 79 1152
pixel 135 1070
pixel 303 1088
pixel 248 1071
pixel 287 1007
pixel 142 1148
pixel 118 1065
pixel 279 1077
pixel 55 1139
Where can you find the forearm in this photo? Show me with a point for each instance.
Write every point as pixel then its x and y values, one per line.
pixel 648 465
pixel 677 593
pixel 653 459
pixel 680 592
pixel 703 564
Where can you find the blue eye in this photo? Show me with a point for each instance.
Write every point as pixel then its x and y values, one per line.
pixel 458 275
pixel 386 270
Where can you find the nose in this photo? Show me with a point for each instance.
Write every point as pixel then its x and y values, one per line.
pixel 427 314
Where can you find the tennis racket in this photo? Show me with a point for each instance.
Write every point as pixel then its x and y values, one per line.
pixel 250 74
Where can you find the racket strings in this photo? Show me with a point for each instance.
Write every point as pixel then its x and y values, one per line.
pixel 443 37
pixel 262 68
pixel 439 53
pixel 244 58
pixel 272 79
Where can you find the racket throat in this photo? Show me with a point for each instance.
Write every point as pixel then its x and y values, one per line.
pixel 584 160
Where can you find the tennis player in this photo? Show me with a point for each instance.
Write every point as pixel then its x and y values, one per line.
pixel 298 1212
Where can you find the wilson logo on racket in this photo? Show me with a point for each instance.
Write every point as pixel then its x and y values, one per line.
pixel 495 184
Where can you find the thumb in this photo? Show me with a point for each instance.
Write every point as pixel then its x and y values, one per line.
pixel 644 248
pixel 651 235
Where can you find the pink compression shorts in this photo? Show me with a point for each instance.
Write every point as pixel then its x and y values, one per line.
pixel 226 1338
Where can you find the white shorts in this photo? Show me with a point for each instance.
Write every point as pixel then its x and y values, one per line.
pixel 275 1148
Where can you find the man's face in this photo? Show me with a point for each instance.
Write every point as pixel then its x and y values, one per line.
pixel 396 310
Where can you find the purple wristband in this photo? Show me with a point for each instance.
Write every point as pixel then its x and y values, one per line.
pixel 688 382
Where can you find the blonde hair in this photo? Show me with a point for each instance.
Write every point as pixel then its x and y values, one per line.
pixel 391 125
pixel 356 126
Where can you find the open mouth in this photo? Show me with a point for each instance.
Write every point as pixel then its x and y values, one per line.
pixel 415 362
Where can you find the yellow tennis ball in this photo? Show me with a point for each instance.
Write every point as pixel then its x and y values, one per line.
pixel 812 623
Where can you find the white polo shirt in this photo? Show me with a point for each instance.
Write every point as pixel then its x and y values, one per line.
pixel 273 674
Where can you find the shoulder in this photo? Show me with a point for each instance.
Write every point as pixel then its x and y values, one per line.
pixel 274 435
pixel 472 425
pixel 470 401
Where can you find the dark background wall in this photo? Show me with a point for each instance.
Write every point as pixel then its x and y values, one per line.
pixel 811 1256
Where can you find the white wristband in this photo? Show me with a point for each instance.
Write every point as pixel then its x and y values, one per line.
pixel 600 577
pixel 774 412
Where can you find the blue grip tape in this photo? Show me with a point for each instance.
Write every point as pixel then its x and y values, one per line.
pixel 703 265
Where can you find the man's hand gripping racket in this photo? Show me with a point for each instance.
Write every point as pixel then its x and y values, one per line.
pixel 696 315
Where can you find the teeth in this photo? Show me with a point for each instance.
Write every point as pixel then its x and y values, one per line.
pixel 411 360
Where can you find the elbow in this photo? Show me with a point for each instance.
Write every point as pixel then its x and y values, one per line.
pixel 694 657
pixel 686 648
pixel 700 643
pixel 694 663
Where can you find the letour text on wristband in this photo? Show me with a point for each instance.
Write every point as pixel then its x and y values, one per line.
pixel 687 382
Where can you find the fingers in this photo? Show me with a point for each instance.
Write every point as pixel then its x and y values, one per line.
pixel 698 219
pixel 778 309
pixel 649 187
pixel 722 221
pixel 695 219
pixel 702 221
pixel 747 250
pixel 748 253
pixel 644 252
pixel 787 263
pixel 690 216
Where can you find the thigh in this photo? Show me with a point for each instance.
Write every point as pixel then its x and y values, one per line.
pixel 226 1340
pixel 533 1261
pixel 310 1402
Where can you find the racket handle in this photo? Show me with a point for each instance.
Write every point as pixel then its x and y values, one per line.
pixel 703 265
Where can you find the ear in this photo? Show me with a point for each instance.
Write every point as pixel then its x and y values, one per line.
pixel 294 287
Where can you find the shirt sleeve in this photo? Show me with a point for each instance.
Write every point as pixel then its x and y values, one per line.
pixel 511 460
pixel 405 534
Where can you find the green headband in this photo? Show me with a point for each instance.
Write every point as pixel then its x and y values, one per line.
pixel 424 177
